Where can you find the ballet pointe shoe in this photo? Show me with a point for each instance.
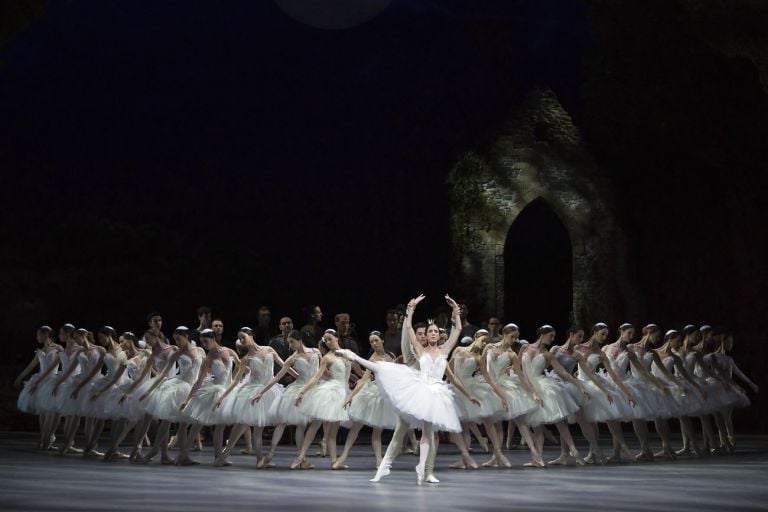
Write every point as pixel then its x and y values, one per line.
pixel 503 460
pixel 491 463
pixel 536 462
pixel 664 454
pixel 645 456
pixel 296 464
pixel 306 465
pixel 266 462
pixel 381 472
pixel 577 458
pixel 419 474
pixel 484 444
pixel 221 461
pixel 185 461
pixel 172 443
pixel 470 462
pixel 339 465
pixel 323 452
pixel 560 461
pixel 685 450
pixel 459 464
pixel 430 478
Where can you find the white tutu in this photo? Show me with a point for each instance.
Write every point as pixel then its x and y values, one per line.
pixel 38 402
pixel 283 409
pixel 165 401
pixel 420 396
pixel 26 400
pixel 370 408
pixel 258 414
pixel 490 404
pixel 558 402
pixel 325 400
pixel 598 408
pixel 201 409
pixel 519 400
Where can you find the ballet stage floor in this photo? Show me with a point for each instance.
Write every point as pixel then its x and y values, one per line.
pixel 35 481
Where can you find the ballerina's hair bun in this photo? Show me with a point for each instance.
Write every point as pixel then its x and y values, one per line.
pixel 510 327
pixel 671 334
pixel 626 326
pixel 331 331
pixel 45 328
pixel 545 329
pixel 648 329
pixel 375 333
pixel 182 329
pixel 481 332
pixel 705 328
pixel 207 333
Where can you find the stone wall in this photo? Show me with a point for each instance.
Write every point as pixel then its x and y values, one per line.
pixel 537 154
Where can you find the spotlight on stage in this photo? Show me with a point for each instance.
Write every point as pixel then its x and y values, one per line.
pixel 332 14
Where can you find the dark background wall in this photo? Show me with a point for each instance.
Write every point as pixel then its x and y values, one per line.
pixel 177 154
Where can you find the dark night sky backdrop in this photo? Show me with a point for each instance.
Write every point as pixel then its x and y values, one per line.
pixel 188 153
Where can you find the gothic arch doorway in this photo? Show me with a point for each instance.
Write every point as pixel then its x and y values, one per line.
pixel 538 270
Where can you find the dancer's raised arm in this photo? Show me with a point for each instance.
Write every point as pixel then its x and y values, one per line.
pixel 415 345
pixel 453 339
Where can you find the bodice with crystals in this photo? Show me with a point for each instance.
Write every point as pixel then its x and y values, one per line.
pixel 189 367
pixel 620 364
pixel 566 360
pixel 432 370
pixel 67 360
pixel 221 371
pixel 113 362
pixel 306 368
pixel 593 360
pixel 340 369
pixel 534 367
pixel 465 367
pixel 261 369
pixel 497 364
pixel 669 364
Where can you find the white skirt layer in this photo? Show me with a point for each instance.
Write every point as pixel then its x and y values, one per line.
pixel 370 408
pixel 27 402
pixel 85 406
pixel 558 402
pixel 325 401
pixel 416 399
pixel 519 400
pixel 258 414
pixel 165 401
pixel 598 409
pixel 201 409
pixel 490 404
pixel 284 408
pixel 45 402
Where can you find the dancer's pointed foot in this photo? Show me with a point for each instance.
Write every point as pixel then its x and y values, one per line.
pixel 419 474
pixel 458 465
pixel 590 458
pixel 338 465
pixel 491 463
pixel 431 479
pixel 503 460
pixel 685 450
pixel 646 456
pixel 381 472
pixel 306 465
pixel 665 454
pixel 266 462
pixel 221 462
pixel 185 461
pixel 561 460
pixel 484 444
pixel 296 464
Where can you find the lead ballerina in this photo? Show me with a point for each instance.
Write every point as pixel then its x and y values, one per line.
pixel 420 397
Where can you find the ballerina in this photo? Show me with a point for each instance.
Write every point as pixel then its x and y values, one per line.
pixel 165 396
pixel 728 369
pixel 403 427
pixel 258 364
pixel 366 406
pixel 559 404
pixel 506 370
pixel 159 354
pixel 324 402
pixel 648 391
pixel 125 414
pixel 202 406
pixel 46 360
pixel 421 398
pixel 669 369
pixel 109 391
pixel 465 362
pixel 304 361
pixel 621 407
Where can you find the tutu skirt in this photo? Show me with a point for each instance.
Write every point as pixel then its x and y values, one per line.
pixel 284 408
pixel 418 399
pixel 370 408
pixel 165 401
pixel 490 404
pixel 325 401
pixel 558 402
pixel 258 414
pixel 200 409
